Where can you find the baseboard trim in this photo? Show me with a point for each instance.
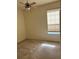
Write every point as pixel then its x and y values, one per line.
pixel 21 41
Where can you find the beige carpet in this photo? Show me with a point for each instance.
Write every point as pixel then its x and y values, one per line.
pixel 32 49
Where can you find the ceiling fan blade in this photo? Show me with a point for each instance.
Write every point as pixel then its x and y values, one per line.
pixel 33 3
pixel 22 3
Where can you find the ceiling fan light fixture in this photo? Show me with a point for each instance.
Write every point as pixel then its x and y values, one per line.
pixel 28 5
pixel 28 9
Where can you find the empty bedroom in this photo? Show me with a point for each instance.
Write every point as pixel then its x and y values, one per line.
pixel 38 29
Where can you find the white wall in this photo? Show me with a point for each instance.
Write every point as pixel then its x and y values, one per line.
pixel 21 31
pixel 36 23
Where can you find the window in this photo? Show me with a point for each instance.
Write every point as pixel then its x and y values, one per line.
pixel 53 20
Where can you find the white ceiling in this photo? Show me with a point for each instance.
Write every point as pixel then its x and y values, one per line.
pixel 38 2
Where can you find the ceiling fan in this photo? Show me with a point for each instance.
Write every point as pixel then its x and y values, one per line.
pixel 27 5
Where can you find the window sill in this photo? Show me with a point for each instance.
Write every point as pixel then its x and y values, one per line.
pixel 53 32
